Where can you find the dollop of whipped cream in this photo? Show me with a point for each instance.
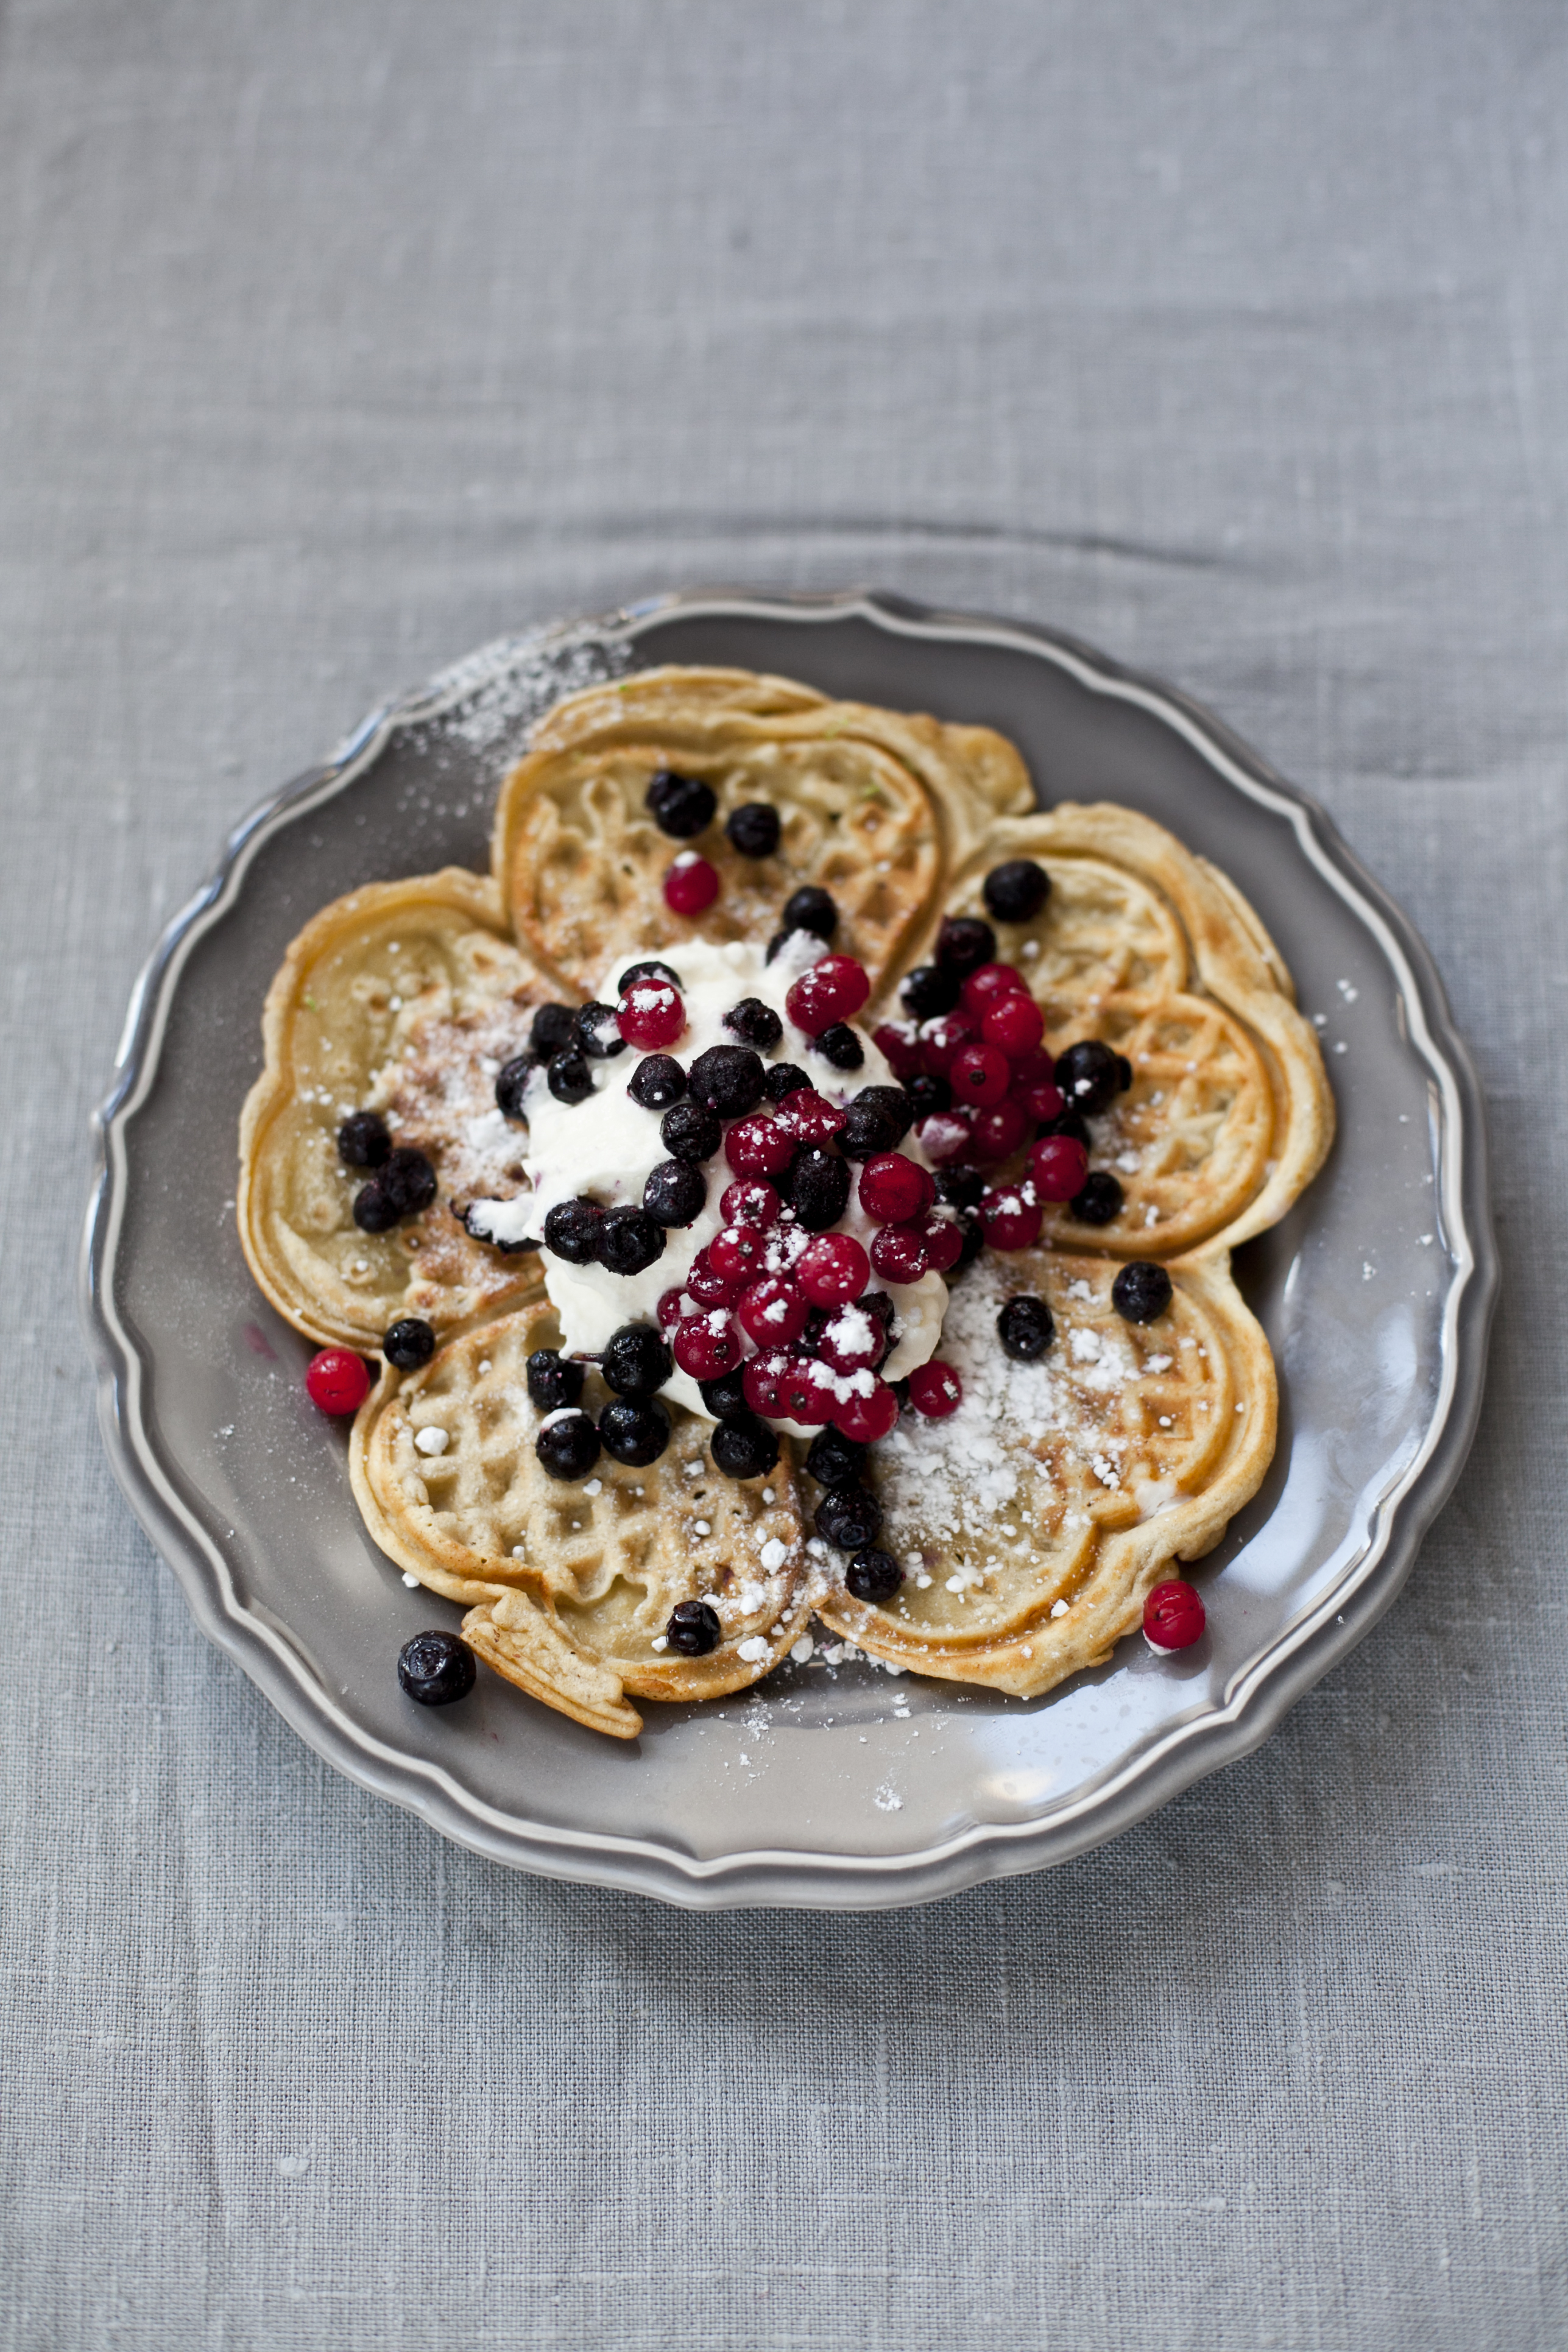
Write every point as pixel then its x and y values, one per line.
pixel 607 1146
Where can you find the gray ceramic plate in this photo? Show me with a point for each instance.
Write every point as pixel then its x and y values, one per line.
pixel 835 1787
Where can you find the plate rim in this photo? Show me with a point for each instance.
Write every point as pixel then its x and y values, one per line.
pixel 1201 1742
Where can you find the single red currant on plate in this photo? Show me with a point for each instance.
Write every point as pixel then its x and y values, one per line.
pixel 337 1381
pixel 690 883
pixel 1174 1616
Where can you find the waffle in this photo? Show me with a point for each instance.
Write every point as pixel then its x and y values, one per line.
pixel 877 808
pixel 1032 1522
pixel 1154 952
pixel 392 999
pixel 569 1587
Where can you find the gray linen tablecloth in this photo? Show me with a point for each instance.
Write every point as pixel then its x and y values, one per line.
pixel 338 336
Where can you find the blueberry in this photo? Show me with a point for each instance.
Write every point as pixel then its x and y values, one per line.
pixel 753 829
pixel 777 941
pixel 675 1192
pixel 961 1187
pixel 510 1082
pixel 635 1430
pixel 1140 1292
pixel 1088 1075
pixel 568 1448
pixel 1026 1328
pixel 679 805
pixel 725 1398
pixel 754 1023
pixel 1123 1074
pixel 1066 1122
pixel 835 1460
pixel 894 1101
pixel 848 1517
pixel 692 1132
pixel 554 1382
pixel 408 1343
pixel 649 969
pixel 408 1181
pixel 658 1081
pixel 784 1078
pixel 810 909
pixel 374 1212
pixel 744 1447
pixel 1015 892
pixel 928 1094
pixel 552 1030
pixel 929 990
pixel 637 1361
pixel 839 1046
pixel 693 1629
pixel 363 1140
pixel 873 1576
pixel 818 1183
pixel 869 1128
pixel 569 1078
pixel 729 1079
pixel 571 1231
pixel 974 1242
pixel 598 1033
pixel 629 1240
pixel 1099 1200
pixel 435 1668
pixel 964 943
pixel 473 1223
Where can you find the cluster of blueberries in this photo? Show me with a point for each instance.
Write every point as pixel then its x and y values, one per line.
pixel 403 1184
pixel 635 1427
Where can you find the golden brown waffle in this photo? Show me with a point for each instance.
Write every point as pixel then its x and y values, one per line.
pixel 586 1572
pixel 1032 1523
pixel 876 808
pixel 1146 948
pixel 391 999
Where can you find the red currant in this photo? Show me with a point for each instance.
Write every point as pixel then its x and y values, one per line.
pixel 935 1390
pixel 900 1042
pixel 1174 1616
pixel 1041 1099
pixel 899 1253
pixel 979 1074
pixel 1031 1069
pixel 672 1306
pixel 708 1286
pixel 690 883
pixel 997 1131
pixel 943 1241
pixel 894 1188
pixel 1015 1022
pixel 337 1381
pixel 944 1137
pixel 1012 1217
pixel 772 1311
pixel 853 1341
pixel 707 1346
pixel 759 1379
pixel 809 1116
pixel 943 1039
pixel 755 1146
pixel 1058 1166
pixel 651 1015
pixel 869 1413
pixel 833 990
pixel 831 1269
pixel 805 1391
pixel 734 1251
pixel 991 981
pixel 749 1203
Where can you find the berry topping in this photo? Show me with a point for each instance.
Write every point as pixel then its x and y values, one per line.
pixel 759 1379
pixel 832 1268
pixel 629 1240
pixel 961 1187
pixel 1011 1217
pixel 753 829
pixel 1042 1101
pixel 964 943
pixel 512 1080
pixel 832 990
pixel 713 1285
pixel 988 985
pixel 1026 1328
pixel 1140 1292
pixel 554 1026
pixel 868 1411
pixel 1174 1616
pixel 650 968
pixel 873 1576
pixel 679 805
pixel 784 1078
pixel 635 1430
pixel 931 988
pixel 337 1381
pixel 690 883
pixel 928 1093
pixel 735 1252
pixel 943 1137
pixel 893 1189
pixel 749 1202
pixel 569 1078
pixel 840 1047
pixel 363 1140
pixel 675 1192
pixel 1015 1022
pixel 818 1187
pixel 943 1239
pixel 898 1043
pixel 1015 892
pixel 1058 1167
pixel 944 1038
pixel 693 1629
pixel 672 1306
pixel 877 1117
pixel 805 1391
pixel 635 1361
pixel 935 1390
pixel 754 1023
pixel 729 1079
pixel 835 1460
pixel 657 1082
pixel 979 1075
pixel 1099 1200
pixel 810 909
pixel 725 1398
pixel 571 1231
pixel 435 1668
pixel 851 1340
pixel 599 1032
pixel 756 1146
pixel 744 1447
pixel 373 1211
pixel 772 1311
pixel 809 1116
pixel 554 1382
pixel 707 1346
pixel 408 1181
pixel 899 1253
pixel 692 1132
pixel 1088 1076
pixel 1065 1122
pixel 998 1131
pixel 651 1014
pixel 849 1517
pixel 567 1444
pixel 408 1343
